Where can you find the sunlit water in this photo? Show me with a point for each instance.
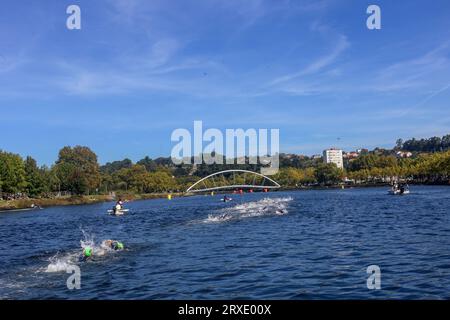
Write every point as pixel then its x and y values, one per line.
pixel 284 245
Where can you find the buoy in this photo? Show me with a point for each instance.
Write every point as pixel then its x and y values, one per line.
pixel 169 197
pixel 212 193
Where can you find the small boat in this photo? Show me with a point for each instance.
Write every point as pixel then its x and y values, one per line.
pixel 118 212
pixel 399 190
pixel 226 199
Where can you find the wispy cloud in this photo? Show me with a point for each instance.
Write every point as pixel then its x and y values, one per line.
pixel 319 64
pixel 151 77
pixel 160 53
pixel 125 11
pixel 9 64
pixel 424 101
pixel 416 72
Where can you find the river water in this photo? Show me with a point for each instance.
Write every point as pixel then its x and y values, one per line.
pixel 281 245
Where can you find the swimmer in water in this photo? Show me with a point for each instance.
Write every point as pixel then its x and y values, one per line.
pixel 113 244
pixel 87 253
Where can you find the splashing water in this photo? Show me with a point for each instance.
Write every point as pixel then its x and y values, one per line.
pixel 61 263
pixel 264 207
pixel 88 241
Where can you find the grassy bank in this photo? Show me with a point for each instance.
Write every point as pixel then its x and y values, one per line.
pixel 77 200
pixel 61 201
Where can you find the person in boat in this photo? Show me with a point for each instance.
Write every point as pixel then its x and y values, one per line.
pixel 114 245
pixel 395 187
pixel 225 198
pixel 118 206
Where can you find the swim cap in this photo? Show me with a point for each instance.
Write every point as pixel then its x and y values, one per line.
pixel 87 252
pixel 119 245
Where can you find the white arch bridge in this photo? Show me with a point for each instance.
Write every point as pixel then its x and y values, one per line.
pixel 233 179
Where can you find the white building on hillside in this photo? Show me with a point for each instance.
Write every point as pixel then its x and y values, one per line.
pixel 334 156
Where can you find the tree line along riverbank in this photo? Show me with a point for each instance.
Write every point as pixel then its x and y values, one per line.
pixel 77 177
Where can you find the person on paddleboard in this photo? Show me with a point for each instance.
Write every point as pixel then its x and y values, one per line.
pixel 118 206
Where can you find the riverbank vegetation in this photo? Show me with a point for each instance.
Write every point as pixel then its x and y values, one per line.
pixel 373 168
pixel 77 172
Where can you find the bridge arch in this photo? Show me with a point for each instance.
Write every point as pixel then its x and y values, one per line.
pixel 204 184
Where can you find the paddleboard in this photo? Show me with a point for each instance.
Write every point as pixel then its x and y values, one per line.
pixel 118 213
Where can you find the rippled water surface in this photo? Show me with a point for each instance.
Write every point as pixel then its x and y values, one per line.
pixel 283 245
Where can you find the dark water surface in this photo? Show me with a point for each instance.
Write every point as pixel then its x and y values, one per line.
pixel 284 245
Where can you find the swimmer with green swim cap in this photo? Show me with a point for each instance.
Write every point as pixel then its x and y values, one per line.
pixel 115 245
pixel 87 252
pixel 118 245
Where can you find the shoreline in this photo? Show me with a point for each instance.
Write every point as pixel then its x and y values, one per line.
pixel 23 205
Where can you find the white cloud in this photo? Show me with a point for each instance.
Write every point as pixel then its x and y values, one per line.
pixel 420 72
pixel 319 64
pixel 163 50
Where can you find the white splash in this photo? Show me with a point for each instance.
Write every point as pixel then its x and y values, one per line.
pixel 60 263
pixel 264 207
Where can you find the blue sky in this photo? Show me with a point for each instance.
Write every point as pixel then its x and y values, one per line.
pixel 139 69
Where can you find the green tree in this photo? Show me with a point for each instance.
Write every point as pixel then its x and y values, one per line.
pixel 292 177
pixel 399 144
pixel 148 163
pixel 328 173
pixel 107 182
pixel 12 173
pixel 112 167
pixel 138 178
pixel 161 181
pixel 78 170
pixel 35 177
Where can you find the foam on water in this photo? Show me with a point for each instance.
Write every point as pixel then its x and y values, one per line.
pixel 61 263
pixel 264 207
